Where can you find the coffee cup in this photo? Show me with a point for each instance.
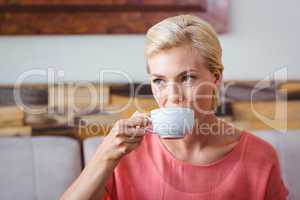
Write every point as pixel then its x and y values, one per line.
pixel 171 122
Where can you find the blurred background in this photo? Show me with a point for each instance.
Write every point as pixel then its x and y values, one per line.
pixel 262 36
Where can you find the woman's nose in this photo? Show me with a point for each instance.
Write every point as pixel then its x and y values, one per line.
pixel 174 95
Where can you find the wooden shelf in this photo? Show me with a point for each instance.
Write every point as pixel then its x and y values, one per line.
pixel 27 17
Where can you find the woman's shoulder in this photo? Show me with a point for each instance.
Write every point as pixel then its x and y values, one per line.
pixel 257 149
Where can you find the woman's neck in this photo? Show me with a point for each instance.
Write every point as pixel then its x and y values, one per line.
pixel 203 132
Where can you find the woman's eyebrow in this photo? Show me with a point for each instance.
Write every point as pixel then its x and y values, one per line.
pixel 186 72
pixel 157 75
pixel 180 74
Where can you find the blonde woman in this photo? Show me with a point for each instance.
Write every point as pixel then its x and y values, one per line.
pixel 215 161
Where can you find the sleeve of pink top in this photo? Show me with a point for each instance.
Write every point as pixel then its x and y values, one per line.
pixel 276 189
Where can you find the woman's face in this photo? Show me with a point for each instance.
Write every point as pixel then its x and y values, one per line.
pixel 179 77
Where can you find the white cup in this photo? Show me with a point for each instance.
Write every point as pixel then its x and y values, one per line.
pixel 171 122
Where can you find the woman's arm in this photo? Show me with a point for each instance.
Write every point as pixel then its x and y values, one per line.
pixel 91 182
pixel 125 136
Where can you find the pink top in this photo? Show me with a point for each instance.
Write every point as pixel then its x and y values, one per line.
pixel 250 171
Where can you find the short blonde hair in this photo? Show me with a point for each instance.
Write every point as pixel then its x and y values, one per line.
pixel 186 30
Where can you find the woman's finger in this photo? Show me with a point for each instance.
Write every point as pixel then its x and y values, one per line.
pixel 128 147
pixel 133 139
pixel 131 132
pixel 140 121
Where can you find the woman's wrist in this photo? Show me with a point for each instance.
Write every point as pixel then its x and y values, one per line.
pixel 104 160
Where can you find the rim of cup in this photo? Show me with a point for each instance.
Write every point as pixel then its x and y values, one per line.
pixel 169 109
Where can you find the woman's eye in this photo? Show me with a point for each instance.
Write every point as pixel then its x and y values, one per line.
pixel 188 78
pixel 157 81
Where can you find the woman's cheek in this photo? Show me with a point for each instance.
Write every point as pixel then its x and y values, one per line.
pixel 199 98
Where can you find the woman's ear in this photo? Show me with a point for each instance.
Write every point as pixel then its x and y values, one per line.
pixel 218 77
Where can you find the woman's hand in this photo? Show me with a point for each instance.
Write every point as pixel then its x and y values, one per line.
pixel 125 136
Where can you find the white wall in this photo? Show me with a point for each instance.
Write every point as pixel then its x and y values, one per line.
pixel 264 37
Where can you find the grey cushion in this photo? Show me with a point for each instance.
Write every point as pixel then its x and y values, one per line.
pixel 37 168
pixel 287 145
pixel 89 147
